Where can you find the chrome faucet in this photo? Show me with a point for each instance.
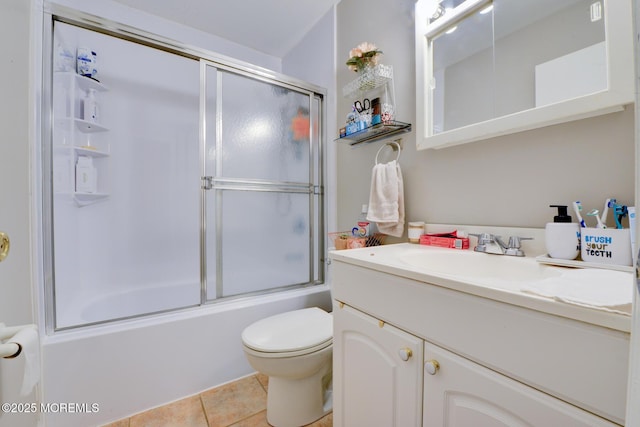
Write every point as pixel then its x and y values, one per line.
pixel 492 244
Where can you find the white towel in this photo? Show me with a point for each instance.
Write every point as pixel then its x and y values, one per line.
pixel 606 290
pixel 386 199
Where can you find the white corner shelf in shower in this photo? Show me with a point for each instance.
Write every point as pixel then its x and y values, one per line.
pixel 86 150
pixel 82 82
pixel 89 127
pixel 85 199
pixel 73 137
pixel 81 199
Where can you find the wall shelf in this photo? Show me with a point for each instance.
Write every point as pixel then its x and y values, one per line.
pixel 374 82
pixel 376 133
pixel 371 79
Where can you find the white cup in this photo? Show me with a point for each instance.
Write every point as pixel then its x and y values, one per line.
pixel 606 245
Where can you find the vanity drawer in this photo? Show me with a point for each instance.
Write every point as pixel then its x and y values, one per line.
pixel 580 363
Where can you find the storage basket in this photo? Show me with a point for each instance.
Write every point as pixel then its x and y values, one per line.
pixel 345 240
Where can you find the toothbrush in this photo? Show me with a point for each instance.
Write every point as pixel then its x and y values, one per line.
pixel 595 212
pixel 619 211
pixel 577 207
pixel 607 204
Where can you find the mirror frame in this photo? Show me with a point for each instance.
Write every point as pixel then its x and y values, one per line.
pixel 620 74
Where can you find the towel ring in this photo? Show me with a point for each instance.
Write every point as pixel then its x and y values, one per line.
pixel 394 145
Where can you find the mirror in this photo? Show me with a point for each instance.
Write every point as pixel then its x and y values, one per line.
pixel 486 68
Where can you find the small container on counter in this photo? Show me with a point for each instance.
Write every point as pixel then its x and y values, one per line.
pixel 606 246
pixel 415 230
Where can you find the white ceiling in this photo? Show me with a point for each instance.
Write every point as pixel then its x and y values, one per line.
pixel 269 26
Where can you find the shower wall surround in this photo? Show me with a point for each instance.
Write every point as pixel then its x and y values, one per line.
pixel 208 183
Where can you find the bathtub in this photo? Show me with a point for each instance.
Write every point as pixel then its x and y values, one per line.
pixel 129 366
pixel 82 309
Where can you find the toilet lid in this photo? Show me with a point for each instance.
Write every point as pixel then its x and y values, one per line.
pixel 291 331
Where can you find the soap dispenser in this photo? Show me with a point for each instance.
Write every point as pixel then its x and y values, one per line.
pixel 562 237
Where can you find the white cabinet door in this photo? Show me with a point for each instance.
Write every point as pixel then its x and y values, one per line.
pixel 373 383
pixel 461 393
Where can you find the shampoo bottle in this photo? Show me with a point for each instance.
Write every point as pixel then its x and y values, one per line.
pixel 91 107
pixel 562 237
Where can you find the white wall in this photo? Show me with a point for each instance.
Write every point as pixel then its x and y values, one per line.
pixel 15 207
pixel 314 60
pixel 156 25
pixel 505 181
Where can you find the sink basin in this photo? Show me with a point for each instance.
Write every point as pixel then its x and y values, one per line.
pixel 478 266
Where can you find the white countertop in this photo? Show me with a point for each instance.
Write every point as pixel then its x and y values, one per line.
pixel 455 269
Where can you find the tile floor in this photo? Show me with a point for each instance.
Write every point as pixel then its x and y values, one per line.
pixel 242 403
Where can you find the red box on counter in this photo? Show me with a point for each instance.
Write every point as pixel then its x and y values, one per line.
pixel 445 240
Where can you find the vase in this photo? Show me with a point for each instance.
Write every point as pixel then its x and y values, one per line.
pixel 365 67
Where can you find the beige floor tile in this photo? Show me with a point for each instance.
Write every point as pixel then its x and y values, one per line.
pixel 238 404
pixel 119 423
pixel 184 413
pixel 234 402
pixel 264 380
pixel 257 420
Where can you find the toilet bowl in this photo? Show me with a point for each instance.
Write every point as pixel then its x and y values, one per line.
pixel 294 350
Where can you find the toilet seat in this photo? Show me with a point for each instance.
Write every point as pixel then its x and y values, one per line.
pixel 290 334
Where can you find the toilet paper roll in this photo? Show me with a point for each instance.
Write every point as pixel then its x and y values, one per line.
pixel 27 339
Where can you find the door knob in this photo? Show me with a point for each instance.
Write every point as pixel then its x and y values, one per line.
pixel 432 366
pixel 4 245
pixel 405 353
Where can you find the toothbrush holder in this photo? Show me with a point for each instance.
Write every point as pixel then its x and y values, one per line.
pixel 606 245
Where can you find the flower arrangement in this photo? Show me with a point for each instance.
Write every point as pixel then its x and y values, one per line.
pixel 362 55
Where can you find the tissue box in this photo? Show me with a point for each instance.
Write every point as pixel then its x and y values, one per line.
pixel 445 240
pixel 606 245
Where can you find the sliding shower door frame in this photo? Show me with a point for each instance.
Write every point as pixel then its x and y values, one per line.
pixel 213 181
pixel 317 214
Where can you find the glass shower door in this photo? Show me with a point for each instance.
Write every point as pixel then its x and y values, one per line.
pixel 261 208
pixel 129 246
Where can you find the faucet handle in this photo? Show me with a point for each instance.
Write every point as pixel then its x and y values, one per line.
pixel 483 238
pixel 513 247
pixel 514 241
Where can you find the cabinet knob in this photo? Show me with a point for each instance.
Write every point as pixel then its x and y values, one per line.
pixel 405 353
pixel 432 367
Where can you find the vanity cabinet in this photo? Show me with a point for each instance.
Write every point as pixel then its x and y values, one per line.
pixel 484 362
pixel 379 373
pixel 460 393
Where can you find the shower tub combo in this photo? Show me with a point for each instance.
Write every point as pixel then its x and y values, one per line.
pixel 203 212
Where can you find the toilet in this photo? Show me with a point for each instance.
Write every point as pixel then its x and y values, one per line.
pixel 294 349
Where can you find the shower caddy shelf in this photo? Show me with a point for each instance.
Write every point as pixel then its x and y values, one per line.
pixel 73 136
pixel 378 77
